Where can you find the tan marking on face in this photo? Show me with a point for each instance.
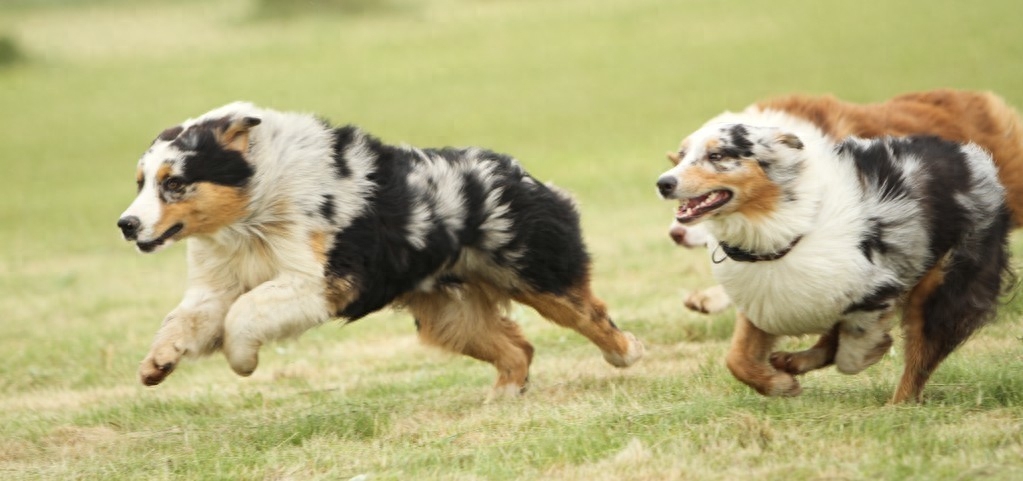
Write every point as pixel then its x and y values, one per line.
pixel 140 177
pixel 208 208
pixel 162 173
pixel 755 195
pixel 712 145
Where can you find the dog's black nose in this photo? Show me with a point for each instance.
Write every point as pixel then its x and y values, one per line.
pixel 666 185
pixel 129 226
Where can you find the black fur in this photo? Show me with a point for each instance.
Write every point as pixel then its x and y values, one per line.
pixel 740 146
pixel 207 160
pixel 376 254
pixel 873 240
pixel 875 165
pixel 879 299
pixel 970 248
pixel 170 133
pixel 327 207
pixel 342 138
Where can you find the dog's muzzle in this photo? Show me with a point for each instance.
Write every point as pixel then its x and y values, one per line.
pixel 666 185
pixel 129 227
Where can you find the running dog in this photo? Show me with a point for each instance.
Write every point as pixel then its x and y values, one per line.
pixel 961 116
pixel 833 238
pixel 291 222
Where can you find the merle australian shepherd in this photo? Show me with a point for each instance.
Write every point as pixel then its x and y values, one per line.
pixel 959 115
pixel 818 236
pixel 291 222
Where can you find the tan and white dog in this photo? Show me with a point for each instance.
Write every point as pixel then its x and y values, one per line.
pixel 291 222
pixel 958 115
pixel 818 237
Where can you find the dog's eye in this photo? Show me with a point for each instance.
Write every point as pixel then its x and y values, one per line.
pixel 714 156
pixel 139 183
pixel 173 184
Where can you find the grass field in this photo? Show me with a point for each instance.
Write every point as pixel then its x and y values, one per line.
pixel 587 93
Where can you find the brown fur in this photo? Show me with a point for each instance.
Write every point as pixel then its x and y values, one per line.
pixel 748 359
pixel 822 354
pixel 340 292
pixel 208 208
pixel 958 115
pixel 582 311
pixel 921 360
pixel 756 195
pixel 318 244
pixel 963 116
pixel 469 320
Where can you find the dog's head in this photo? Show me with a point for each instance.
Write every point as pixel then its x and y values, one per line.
pixel 731 168
pixel 192 180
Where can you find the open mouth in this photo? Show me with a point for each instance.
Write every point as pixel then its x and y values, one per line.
pixel 695 207
pixel 150 246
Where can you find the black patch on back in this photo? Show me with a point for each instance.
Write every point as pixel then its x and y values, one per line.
pixel 208 161
pixel 878 300
pixel 343 137
pixel 327 207
pixel 374 249
pixel 949 174
pixel 877 168
pixel 545 227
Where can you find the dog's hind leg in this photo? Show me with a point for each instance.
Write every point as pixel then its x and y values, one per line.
pixel 580 310
pixel 748 359
pixel 280 308
pixel 950 302
pixel 468 320
pixel 862 341
pixel 822 354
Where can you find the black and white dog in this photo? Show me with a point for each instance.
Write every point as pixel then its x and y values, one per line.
pixel 291 222
pixel 813 236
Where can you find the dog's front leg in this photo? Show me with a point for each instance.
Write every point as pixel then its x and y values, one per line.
pixel 194 328
pixel 748 359
pixel 285 306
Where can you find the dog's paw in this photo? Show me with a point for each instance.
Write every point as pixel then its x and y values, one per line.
pixel 242 355
pixel 801 362
pixel 508 390
pixel 851 360
pixel 781 384
pixel 633 352
pixel 159 363
pixel 709 300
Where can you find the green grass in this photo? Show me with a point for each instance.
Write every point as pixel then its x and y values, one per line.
pixel 588 94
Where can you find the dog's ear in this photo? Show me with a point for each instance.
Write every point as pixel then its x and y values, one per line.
pixel 169 134
pixel 790 140
pixel 236 135
pixel 674 158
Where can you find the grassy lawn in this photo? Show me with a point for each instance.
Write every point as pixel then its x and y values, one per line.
pixel 586 93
